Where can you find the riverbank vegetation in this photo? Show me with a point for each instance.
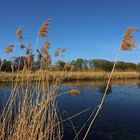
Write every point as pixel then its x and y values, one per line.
pixel 69 76
pixel 31 111
pixel 79 69
pixel 80 64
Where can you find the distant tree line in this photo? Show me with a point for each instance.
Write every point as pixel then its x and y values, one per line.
pixel 75 65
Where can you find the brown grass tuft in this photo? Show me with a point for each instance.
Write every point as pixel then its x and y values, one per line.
pixel 128 42
pixel 9 48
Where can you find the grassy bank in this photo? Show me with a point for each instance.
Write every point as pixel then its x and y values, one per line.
pixel 71 76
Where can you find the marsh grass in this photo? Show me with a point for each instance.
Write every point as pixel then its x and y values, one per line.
pixel 69 76
pixel 31 111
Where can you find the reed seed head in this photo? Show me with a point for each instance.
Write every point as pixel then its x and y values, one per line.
pixel 44 29
pixel 9 48
pixel 19 33
pixel 128 42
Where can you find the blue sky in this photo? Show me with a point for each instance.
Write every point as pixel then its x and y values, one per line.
pixel 88 28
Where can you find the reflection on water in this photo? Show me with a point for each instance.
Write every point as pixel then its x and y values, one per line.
pixel 120 115
pixel 138 84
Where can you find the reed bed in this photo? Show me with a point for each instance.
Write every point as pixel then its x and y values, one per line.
pixel 31 112
pixel 71 76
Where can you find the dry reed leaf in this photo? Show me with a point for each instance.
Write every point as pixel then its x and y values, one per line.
pixel 9 48
pixel 19 33
pixel 128 42
pixel 44 29
pixel 74 91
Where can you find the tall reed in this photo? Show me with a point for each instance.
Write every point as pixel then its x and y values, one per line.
pixel 31 111
pixel 128 43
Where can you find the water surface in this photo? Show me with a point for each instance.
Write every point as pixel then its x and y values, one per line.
pixel 119 118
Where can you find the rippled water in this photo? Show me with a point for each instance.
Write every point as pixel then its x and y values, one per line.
pixel 119 118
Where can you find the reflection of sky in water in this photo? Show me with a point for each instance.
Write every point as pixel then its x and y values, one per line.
pixel 120 115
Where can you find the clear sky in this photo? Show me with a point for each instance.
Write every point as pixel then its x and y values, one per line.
pixel 88 28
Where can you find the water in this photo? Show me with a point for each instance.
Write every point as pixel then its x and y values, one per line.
pixel 119 118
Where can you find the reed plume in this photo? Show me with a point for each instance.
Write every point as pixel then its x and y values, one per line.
pixel 9 48
pixel 44 29
pixel 31 111
pixel 19 33
pixel 128 42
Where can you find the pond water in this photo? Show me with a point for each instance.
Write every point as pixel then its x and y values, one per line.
pixel 119 118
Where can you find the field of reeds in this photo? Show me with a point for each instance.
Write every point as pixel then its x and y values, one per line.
pixel 70 76
pixel 31 111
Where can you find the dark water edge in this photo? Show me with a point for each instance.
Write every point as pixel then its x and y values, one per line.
pixel 119 118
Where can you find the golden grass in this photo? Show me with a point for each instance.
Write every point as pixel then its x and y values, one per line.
pixel 69 76
pixel 31 112
pixel 34 109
